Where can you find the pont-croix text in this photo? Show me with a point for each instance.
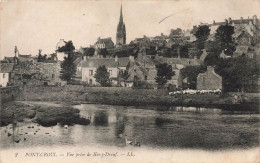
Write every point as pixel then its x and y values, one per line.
pixel 75 154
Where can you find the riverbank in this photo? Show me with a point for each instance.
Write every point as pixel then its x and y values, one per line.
pixel 12 112
pixel 137 97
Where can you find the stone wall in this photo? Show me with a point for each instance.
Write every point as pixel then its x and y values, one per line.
pixel 10 93
pixel 39 73
pixel 209 80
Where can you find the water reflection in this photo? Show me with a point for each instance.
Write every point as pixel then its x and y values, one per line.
pixel 157 127
pixel 101 118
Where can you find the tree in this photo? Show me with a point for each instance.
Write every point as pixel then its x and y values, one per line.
pixel 164 73
pixel 68 68
pixel 124 75
pixel 104 52
pixel 89 52
pixel 184 51
pixel 224 37
pixel 67 48
pixel 191 73
pixel 202 34
pixel 239 74
pixel 102 76
pixel 40 57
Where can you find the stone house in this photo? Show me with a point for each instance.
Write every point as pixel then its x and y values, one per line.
pixel 37 73
pixel 209 80
pixel 141 70
pixel 243 38
pixel 104 43
pixel 89 66
pixel 5 73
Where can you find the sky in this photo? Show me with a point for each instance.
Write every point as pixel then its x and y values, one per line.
pixel 36 24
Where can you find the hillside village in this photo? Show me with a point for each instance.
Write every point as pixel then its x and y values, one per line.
pixel 180 49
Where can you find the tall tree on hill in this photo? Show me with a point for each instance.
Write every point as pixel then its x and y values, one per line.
pixel 164 73
pixel 67 48
pixel 89 52
pixel 224 38
pixel 102 76
pixel 202 34
pixel 68 68
pixel 239 74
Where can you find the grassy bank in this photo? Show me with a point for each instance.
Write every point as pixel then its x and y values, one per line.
pixel 129 96
pixel 43 115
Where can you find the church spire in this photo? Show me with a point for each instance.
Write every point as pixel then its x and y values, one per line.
pixel 121 14
pixel 121 31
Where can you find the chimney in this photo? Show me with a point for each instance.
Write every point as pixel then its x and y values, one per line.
pixel 116 58
pixel 210 68
pixel 255 20
pixel 214 22
pixel 161 34
pixel 85 58
pixel 131 58
pixel 241 19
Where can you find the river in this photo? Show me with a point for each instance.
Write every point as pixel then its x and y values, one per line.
pixel 152 126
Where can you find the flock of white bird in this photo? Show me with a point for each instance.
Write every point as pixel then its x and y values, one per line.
pixel 191 91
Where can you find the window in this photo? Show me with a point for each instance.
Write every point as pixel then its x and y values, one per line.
pixel 90 72
pixel 3 76
pixel 110 72
pixel 145 77
pixel 53 76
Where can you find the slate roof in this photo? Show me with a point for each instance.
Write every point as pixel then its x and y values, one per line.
pixel 78 60
pixel 168 60
pixel 123 62
pixel 6 67
pixel 108 62
pixel 10 59
pixel 181 61
pixel 144 59
pixel 25 56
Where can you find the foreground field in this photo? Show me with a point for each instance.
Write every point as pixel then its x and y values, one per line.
pixel 129 96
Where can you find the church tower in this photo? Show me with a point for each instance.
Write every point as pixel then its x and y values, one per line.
pixel 121 32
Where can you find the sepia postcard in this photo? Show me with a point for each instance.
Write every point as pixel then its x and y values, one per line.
pixel 146 81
